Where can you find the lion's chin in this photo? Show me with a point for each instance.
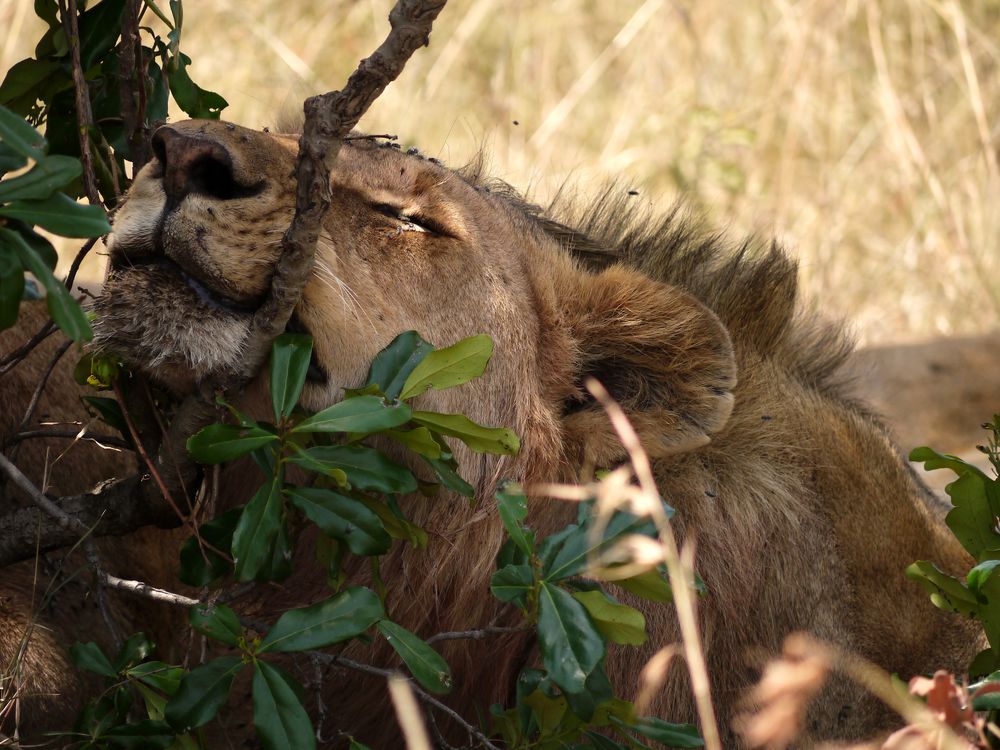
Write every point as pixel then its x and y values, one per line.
pixel 154 318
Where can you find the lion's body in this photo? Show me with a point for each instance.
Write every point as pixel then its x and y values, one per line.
pixel 803 511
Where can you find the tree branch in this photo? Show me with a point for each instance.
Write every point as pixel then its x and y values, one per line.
pixel 84 115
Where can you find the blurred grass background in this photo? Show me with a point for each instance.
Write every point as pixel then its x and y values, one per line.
pixel 861 134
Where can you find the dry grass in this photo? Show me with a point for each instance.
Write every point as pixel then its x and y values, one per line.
pixel 862 134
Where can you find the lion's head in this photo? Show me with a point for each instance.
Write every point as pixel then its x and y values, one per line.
pixel 406 244
pixel 792 533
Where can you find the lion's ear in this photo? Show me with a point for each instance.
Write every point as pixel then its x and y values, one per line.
pixel 664 356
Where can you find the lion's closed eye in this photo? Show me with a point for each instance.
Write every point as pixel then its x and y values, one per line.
pixel 412 221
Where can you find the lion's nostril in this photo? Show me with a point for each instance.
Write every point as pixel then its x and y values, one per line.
pixel 197 164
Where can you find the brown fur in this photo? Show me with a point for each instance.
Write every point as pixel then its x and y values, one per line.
pixel 804 514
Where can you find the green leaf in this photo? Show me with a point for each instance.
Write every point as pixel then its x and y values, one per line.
pixel 90 657
pixel 570 556
pixel 257 531
pixel 978 577
pixel 446 368
pixel 41 180
pixel 651 585
pixel 281 721
pixel 290 355
pixel 201 567
pixel 202 692
pixel 396 524
pixel 571 647
pixel 304 459
pixel 947 593
pixel 218 443
pixel 671 735
pixel 513 509
pixel 359 414
pixel 513 583
pixel 62 307
pixel 157 674
pixel 393 365
pixel 11 287
pixel 136 648
pixel 426 665
pixel 450 478
pixel 343 518
pixel 61 215
pixel 194 100
pixel 481 439
pixel 26 77
pixel 146 734
pixel 216 621
pixel 20 136
pixel 330 621
pixel 618 623
pixel 99 28
pixel 10 159
pixel 366 468
pixel 419 440
pixel 355 745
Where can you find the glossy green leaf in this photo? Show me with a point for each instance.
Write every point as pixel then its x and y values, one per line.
pixel 307 461
pixel 41 180
pixel 570 557
pixel 571 647
pixel 20 136
pixel 426 665
pixel 257 531
pixel 481 439
pixel 10 160
pixel 137 648
pixel 202 693
pixel 157 674
pixel 63 309
pixel 618 623
pixel 366 468
pixel 290 355
pixel 330 621
pixel 200 567
pixel 359 414
pixel 11 286
pixel 450 478
pixel 90 657
pixel 216 621
pixel 513 509
pixel 449 367
pixel 26 77
pixel 947 593
pixel 651 585
pixel 146 734
pixel 419 440
pixel 342 518
pixel 671 735
pixel 194 100
pixel 99 28
pixel 218 443
pixel 395 523
pixel 393 365
pixel 281 721
pixel 61 215
pixel 513 583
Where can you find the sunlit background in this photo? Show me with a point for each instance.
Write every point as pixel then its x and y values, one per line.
pixel 861 134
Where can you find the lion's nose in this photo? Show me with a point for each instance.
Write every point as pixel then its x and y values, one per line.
pixel 193 164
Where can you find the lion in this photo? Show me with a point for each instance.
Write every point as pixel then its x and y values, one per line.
pixel 804 512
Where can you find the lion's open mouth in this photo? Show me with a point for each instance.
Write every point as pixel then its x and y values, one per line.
pixel 214 299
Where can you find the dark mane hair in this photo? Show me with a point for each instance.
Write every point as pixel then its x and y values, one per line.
pixel 752 285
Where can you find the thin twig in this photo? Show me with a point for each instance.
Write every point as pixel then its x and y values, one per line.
pixel 474 635
pixel 111 441
pixel 138 588
pixel 424 697
pixel 84 115
pixel 17 356
pixel 37 395
pixel 75 265
pixel 131 83
pixel 687 618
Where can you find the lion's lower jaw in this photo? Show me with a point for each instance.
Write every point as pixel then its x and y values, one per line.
pixel 177 350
